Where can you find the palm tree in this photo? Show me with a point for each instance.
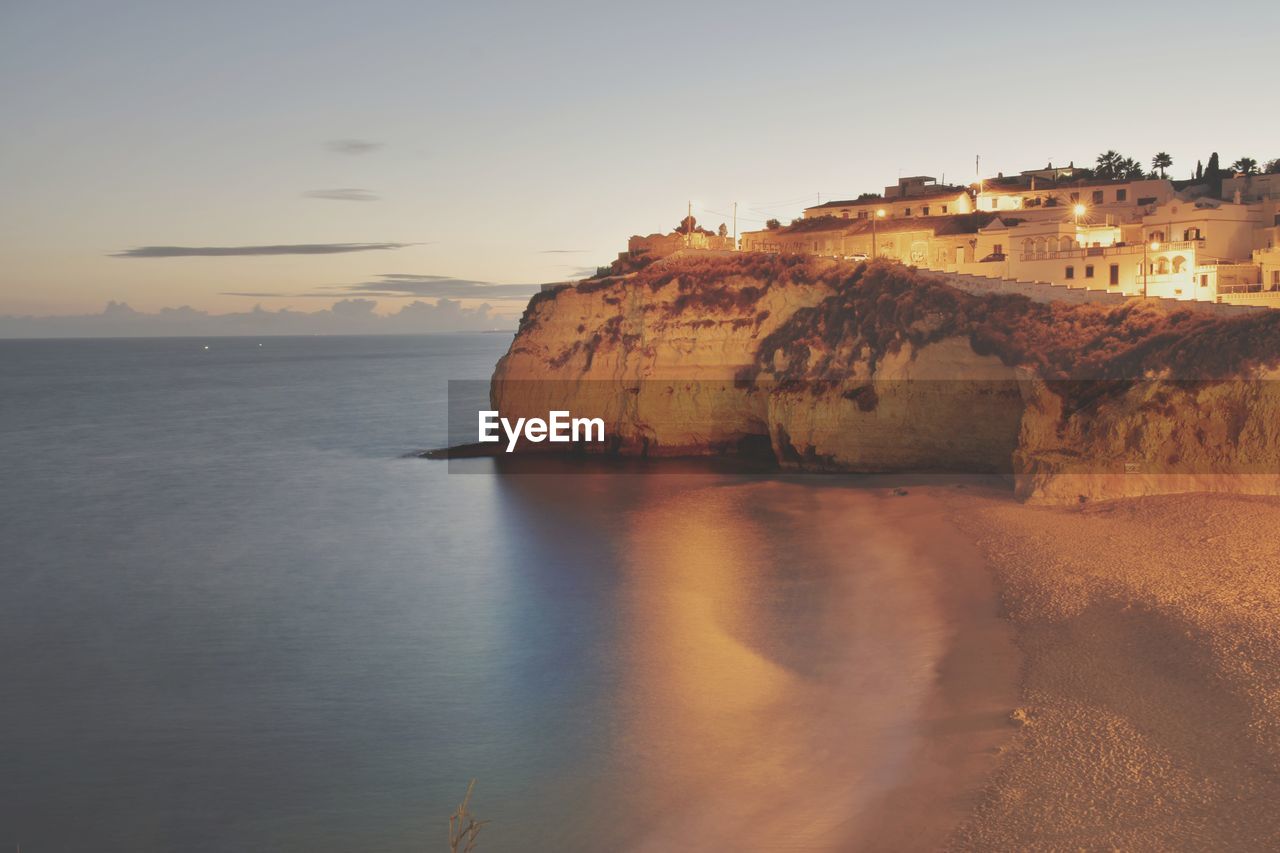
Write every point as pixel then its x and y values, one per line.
pixel 1108 164
pixel 1246 166
pixel 1161 161
pixel 1129 169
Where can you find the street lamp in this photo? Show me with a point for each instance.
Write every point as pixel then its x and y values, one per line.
pixel 1079 210
pixel 879 214
pixel 1146 267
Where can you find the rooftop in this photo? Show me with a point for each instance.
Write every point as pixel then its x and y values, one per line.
pixel 932 192
pixel 965 223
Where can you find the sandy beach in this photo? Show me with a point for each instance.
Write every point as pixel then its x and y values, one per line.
pixel 1151 635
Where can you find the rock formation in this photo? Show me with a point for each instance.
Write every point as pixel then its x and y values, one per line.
pixel 856 367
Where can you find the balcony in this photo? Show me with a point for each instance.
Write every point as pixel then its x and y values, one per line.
pixel 1084 252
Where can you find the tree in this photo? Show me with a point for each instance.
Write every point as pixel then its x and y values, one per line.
pixel 1213 170
pixel 1199 170
pixel 868 196
pixel 1273 166
pixel 1246 166
pixel 723 230
pixel 1213 175
pixel 1109 164
pixel 1161 161
pixel 687 225
pixel 773 225
pixel 1129 169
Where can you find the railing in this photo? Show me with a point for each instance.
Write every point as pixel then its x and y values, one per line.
pixel 1246 288
pixel 1085 252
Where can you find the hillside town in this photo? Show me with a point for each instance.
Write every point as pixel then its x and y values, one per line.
pixel 1213 237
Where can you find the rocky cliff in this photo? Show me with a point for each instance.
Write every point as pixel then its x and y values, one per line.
pixel 851 367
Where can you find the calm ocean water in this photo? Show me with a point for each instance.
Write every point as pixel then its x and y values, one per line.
pixel 233 618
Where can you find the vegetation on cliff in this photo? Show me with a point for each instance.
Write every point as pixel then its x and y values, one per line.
pixel 877 308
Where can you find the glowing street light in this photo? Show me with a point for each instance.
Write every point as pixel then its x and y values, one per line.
pixel 880 214
pixel 1079 210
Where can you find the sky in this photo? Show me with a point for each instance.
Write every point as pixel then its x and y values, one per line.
pixel 291 155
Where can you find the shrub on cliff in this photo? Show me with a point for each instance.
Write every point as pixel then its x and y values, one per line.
pixel 878 308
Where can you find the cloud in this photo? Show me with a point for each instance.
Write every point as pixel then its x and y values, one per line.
pixel 343 194
pixel 344 317
pixel 441 286
pixel 407 285
pixel 228 251
pixel 352 146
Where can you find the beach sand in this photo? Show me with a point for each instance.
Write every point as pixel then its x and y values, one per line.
pixel 1151 683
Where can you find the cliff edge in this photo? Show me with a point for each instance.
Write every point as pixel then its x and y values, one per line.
pixel 877 368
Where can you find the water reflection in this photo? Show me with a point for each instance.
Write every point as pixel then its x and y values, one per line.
pixel 765 660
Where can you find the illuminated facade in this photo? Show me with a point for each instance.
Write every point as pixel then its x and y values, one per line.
pixel 1056 225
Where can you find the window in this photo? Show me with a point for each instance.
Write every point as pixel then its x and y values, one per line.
pixel 1275 278
pixel 1204 281
pixel 997 249
pixel 924 211
pixel 944 208
pixel 1071 272
pixel 844 214
pixel 862 214
pixel 1088 271
pixel 1115 275
pixel 906 211
pixel 1097 196
pixel 1122 195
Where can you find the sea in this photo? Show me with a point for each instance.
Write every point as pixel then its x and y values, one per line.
pixel 237 614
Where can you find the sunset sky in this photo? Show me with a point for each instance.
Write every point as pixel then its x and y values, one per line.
pixel 522 142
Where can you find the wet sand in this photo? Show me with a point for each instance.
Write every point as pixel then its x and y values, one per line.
pixel 1150 709
pixel 888 747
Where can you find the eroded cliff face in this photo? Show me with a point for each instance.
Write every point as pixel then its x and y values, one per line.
pixel 874 368
pixel 658 355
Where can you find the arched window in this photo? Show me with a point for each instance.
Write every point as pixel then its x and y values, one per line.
pixel 1179 263
pixel 1162 266
pixel 1039 245
pixel 1065 244
pixel 1028 246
